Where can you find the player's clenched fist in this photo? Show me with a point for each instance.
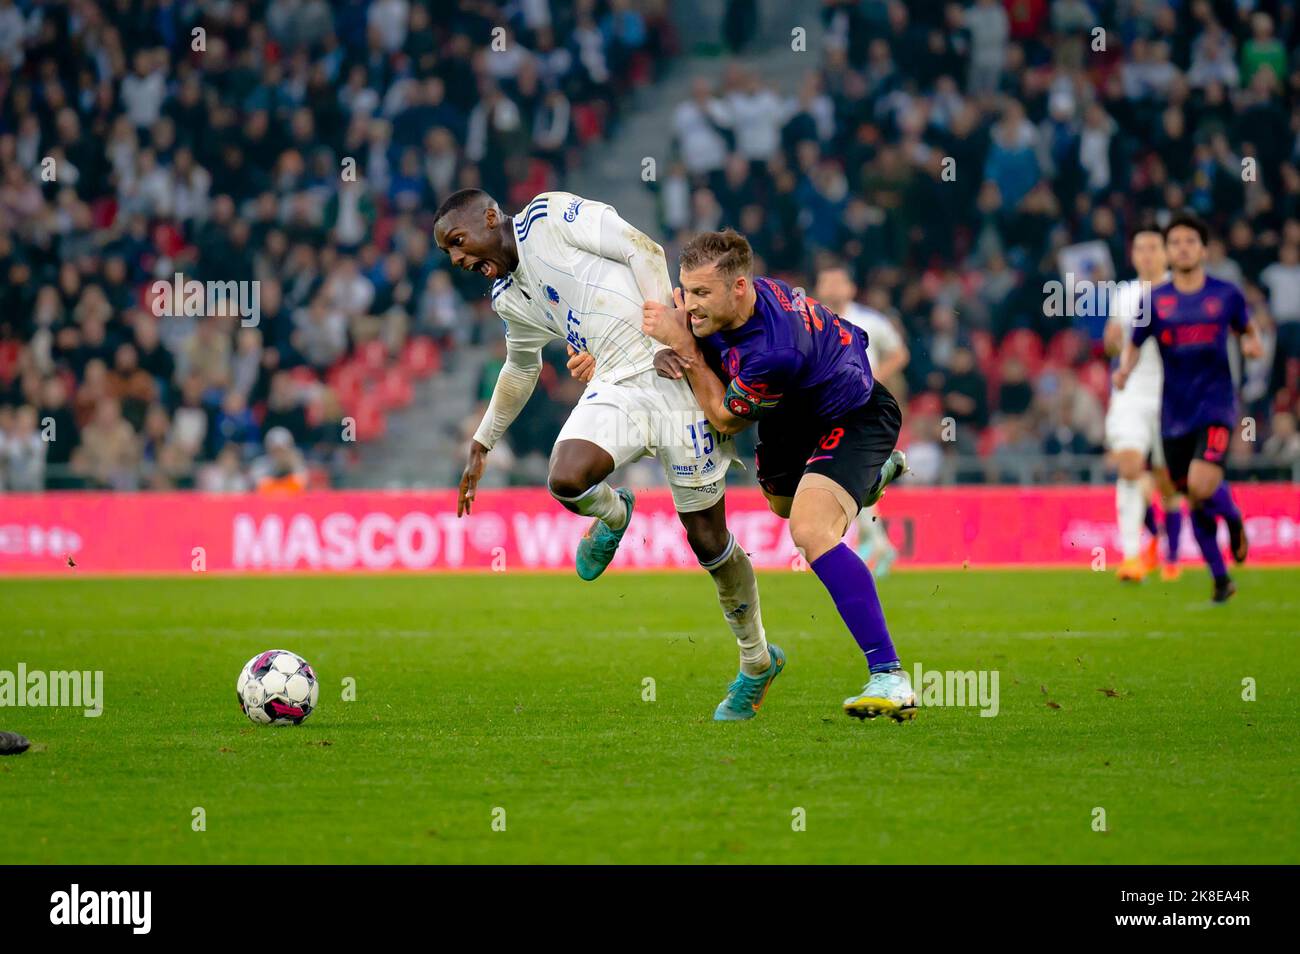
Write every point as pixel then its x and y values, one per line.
pixel 667 323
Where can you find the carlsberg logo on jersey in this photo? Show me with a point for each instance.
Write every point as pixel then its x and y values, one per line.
pixel 953 687
pixel 134 908
pixel 37 689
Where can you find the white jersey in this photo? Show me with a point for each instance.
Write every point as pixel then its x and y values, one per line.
pixel 565 289
pixel 1147 380
pixel 883 338
pixel 582 277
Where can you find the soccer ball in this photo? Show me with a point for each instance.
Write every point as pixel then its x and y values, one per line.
pixel 277 687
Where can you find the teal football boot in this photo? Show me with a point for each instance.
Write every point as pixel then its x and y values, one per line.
pixel 599 544
pixel 746 693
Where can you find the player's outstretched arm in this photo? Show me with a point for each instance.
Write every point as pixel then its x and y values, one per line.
pixel 514 387
pixel 1127 362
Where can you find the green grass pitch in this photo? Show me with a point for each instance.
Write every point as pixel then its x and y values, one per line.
pixel 525 693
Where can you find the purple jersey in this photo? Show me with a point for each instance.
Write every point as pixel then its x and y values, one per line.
pixel 793 349
pixel 1192 332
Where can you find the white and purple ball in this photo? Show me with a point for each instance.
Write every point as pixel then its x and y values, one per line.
pixel 277 687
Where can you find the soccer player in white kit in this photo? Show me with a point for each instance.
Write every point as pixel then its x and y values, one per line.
pixel 1133 419
pixel 570 269
pixel 888 355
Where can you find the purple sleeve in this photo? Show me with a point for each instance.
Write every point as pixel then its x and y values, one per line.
pixel 761 381
pixel 1142 330
pixel 1238 317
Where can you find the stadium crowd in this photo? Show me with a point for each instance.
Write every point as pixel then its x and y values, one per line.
pixel 296 144
pixel 961 157
pixel 951 156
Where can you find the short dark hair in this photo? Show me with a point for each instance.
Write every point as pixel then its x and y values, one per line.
pixel 1144 226
pixel 1189 220
pixel 458 200
pixel 728 250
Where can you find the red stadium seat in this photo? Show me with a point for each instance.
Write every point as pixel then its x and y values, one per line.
pixel 304 377
pixel 421 358
pixel 382 233
pixel 395 389
pixel 587 122
pixel 348 380
pixel 371 424
pixel 1025 345
pixel 1095 376
pixel 1067 349
pixel 925 403
pixel 8 360
pixel 373 357
pixel 990 439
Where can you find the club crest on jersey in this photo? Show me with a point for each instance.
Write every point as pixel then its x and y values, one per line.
pixel 571 212
pixel 1212 307
pixel 1165 305
pixel 732 362
pixel 552 295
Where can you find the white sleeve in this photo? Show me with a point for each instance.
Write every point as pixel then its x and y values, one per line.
pixel 514 387
pixel 515 383
pixel 598 229
pixel 886 337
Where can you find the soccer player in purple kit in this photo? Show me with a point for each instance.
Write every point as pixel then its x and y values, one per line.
pixel 826 429
pixel 1190 318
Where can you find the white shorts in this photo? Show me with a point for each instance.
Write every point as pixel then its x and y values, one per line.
pixel 647 415
pixel 1133 423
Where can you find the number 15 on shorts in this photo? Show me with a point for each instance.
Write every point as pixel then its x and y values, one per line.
pixel 701 435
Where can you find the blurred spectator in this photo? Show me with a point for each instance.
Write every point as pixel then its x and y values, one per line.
pixel 281 469
pixel 965 394
pixel 1284 443
pixel 109 455
pixel 304 148
pixel 22 451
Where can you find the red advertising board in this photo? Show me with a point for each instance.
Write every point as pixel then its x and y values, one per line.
pixel 418 531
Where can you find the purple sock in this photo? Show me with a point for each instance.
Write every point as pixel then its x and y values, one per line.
pixel 1152 527
pixel 1173 530
pixel 850 585
pixel 1222 505
pixel 1204 526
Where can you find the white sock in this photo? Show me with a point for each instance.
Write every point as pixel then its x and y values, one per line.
pixel 733 575
pixel 1130 510
pixel 600 502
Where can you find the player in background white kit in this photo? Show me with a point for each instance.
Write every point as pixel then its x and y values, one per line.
pixel 888 355
pixel 570 269
pixel 1133 420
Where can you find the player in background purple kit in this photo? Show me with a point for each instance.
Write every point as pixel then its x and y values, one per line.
pixel 826 429
pixel 1191 316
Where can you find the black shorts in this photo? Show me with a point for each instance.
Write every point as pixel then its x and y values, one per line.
pixel 1209 444
pixel 849 450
